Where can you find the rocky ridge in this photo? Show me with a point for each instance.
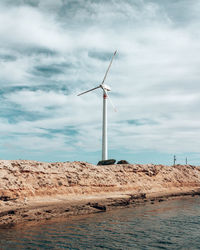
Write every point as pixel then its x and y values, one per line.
pixel 30 184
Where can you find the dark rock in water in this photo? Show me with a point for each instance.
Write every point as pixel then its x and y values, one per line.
pixel 107 162
pixel 123 162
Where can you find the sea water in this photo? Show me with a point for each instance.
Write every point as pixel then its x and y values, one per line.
pixel 172 224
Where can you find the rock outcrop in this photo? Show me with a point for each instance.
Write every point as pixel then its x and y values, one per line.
pixel 123 162
pixel 106 162
pixel 29 183
pixel 20 178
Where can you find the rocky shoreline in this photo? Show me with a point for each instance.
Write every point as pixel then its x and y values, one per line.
pixel 36 192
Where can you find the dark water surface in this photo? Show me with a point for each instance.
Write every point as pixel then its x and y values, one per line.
pixel 173 224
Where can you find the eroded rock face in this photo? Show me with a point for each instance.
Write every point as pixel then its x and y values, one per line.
pixel 19 179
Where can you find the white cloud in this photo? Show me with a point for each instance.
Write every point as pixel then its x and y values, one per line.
pixel 37 100
pixel 27 27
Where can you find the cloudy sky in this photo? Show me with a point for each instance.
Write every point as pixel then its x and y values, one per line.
pixel 52 50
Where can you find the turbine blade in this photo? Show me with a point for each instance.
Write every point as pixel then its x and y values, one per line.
pixel 106 92
pixel 88 91
pixel 108 67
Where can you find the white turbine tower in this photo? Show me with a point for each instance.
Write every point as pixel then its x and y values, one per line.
pixel 105 89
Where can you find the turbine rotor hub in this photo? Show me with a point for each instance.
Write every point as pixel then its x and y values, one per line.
pixel 106 87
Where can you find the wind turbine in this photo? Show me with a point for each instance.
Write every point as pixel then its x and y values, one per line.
pixel 105 89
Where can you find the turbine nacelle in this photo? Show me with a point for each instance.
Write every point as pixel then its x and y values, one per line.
pixel 106 87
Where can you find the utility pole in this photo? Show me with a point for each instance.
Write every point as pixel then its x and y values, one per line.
pixel 174 160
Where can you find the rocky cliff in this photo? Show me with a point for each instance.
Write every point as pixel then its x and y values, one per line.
pixel 36 191
pixel 19 179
